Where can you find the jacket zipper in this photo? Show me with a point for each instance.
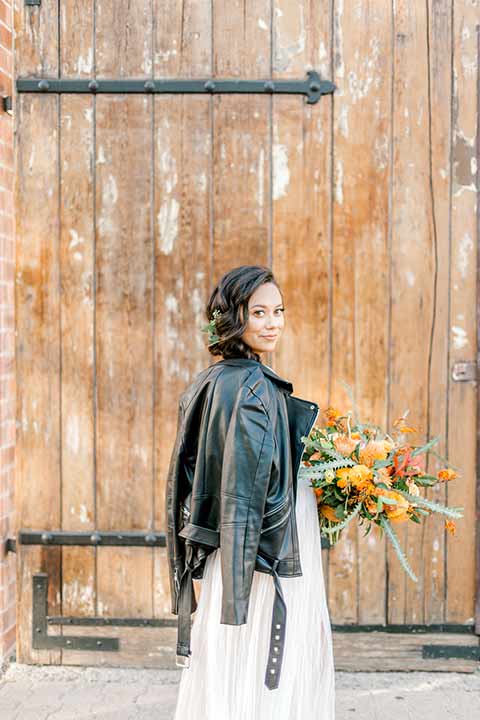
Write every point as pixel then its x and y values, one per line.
pixel 285 517
pixel 277 507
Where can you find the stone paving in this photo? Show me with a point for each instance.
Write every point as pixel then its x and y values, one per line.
pixel 80 693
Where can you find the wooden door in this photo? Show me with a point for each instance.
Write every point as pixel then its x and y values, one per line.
pixel 130 207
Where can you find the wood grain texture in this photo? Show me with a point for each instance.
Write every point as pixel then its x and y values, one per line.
pixel 37 305
pixel 412 274
pixel 182 158
pixel 462 397
pixel 439 127
pixel 124 309
pixel 241 139
pixel 301 203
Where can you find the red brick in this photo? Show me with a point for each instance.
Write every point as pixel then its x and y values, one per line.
pixel 7 642
pixel 6 127
pixel 6 13
pixel 5 80
pixel 5 37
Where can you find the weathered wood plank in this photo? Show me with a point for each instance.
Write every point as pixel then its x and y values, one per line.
pixel 301 202
pixel 77 298
pixel 37 349
pixel 388 652
pixel 412 277
pixel 462 396
pixel 241 139
pixel 181 223
pixel 360 295
pixel 124 308
pixel 438 119
pixel 36 38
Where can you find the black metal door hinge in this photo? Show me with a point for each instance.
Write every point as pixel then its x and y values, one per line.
pixel 33 2
pixel 42 640
pixel 313 87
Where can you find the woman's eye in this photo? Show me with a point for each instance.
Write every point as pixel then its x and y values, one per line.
pixel 279 310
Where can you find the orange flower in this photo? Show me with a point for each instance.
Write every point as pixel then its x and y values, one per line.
pixel 446 474
pixel 372 451
pixel 344 444
pixel 329 512
pixel 317 455
pixel 331 414
pixel 358 476
pixel 397 513
pixel 318 492
pixel 450 526
pixel 400 425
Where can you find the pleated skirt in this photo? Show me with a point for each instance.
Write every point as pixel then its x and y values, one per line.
pixel 225 680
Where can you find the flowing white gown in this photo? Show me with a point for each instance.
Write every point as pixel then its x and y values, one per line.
pixel 225 680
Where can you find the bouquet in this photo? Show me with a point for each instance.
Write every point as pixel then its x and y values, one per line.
pixel 358 470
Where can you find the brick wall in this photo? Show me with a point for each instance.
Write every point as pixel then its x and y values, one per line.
pixel 7 340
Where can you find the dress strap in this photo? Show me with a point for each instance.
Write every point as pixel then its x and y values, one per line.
pixel 277 634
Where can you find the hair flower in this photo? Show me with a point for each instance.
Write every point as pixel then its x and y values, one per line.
pixel 211 328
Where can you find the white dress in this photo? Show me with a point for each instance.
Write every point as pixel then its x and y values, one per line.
pixel 225 680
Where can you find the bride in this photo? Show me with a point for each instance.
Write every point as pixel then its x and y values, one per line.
pixel 225 676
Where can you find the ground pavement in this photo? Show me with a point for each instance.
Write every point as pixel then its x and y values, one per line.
pixel 81 693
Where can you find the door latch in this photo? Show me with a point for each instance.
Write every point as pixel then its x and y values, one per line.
pixel 464 371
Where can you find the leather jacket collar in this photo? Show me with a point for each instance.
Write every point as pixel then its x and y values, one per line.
pixel 266 369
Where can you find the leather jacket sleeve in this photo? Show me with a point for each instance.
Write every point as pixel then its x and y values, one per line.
pixel 247 460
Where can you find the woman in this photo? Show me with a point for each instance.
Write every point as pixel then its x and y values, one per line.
pixel 230 480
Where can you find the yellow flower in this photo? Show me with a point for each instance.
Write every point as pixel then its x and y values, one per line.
pixel 329 475
pixel 356 475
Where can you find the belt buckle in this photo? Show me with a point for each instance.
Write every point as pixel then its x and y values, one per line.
pixel 182 661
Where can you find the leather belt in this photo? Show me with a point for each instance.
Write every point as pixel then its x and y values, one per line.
pixel 277 629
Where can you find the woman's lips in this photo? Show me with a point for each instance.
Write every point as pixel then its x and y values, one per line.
pixel 269 337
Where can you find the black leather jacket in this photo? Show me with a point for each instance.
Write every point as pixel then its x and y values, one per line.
pixel 232 482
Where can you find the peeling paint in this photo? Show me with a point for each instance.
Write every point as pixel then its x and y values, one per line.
pixel 410 277
pixel 339 67
pixel 101 160
pixel 110 192
pixel 338 182
pixel 260 186
pixel 79 595
pixel 76 239
pixel 343 120
pixel 281 173
pixel 167 221
pixel 84 64
pixel 283 53
pixel 465 248
pixel 381 152
pixel 460 339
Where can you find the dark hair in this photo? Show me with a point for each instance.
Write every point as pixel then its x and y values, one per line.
pixel 231 297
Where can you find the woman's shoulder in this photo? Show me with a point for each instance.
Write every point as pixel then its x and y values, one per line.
pixel 229 378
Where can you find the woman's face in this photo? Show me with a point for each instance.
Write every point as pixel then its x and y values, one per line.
pixel 265 319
